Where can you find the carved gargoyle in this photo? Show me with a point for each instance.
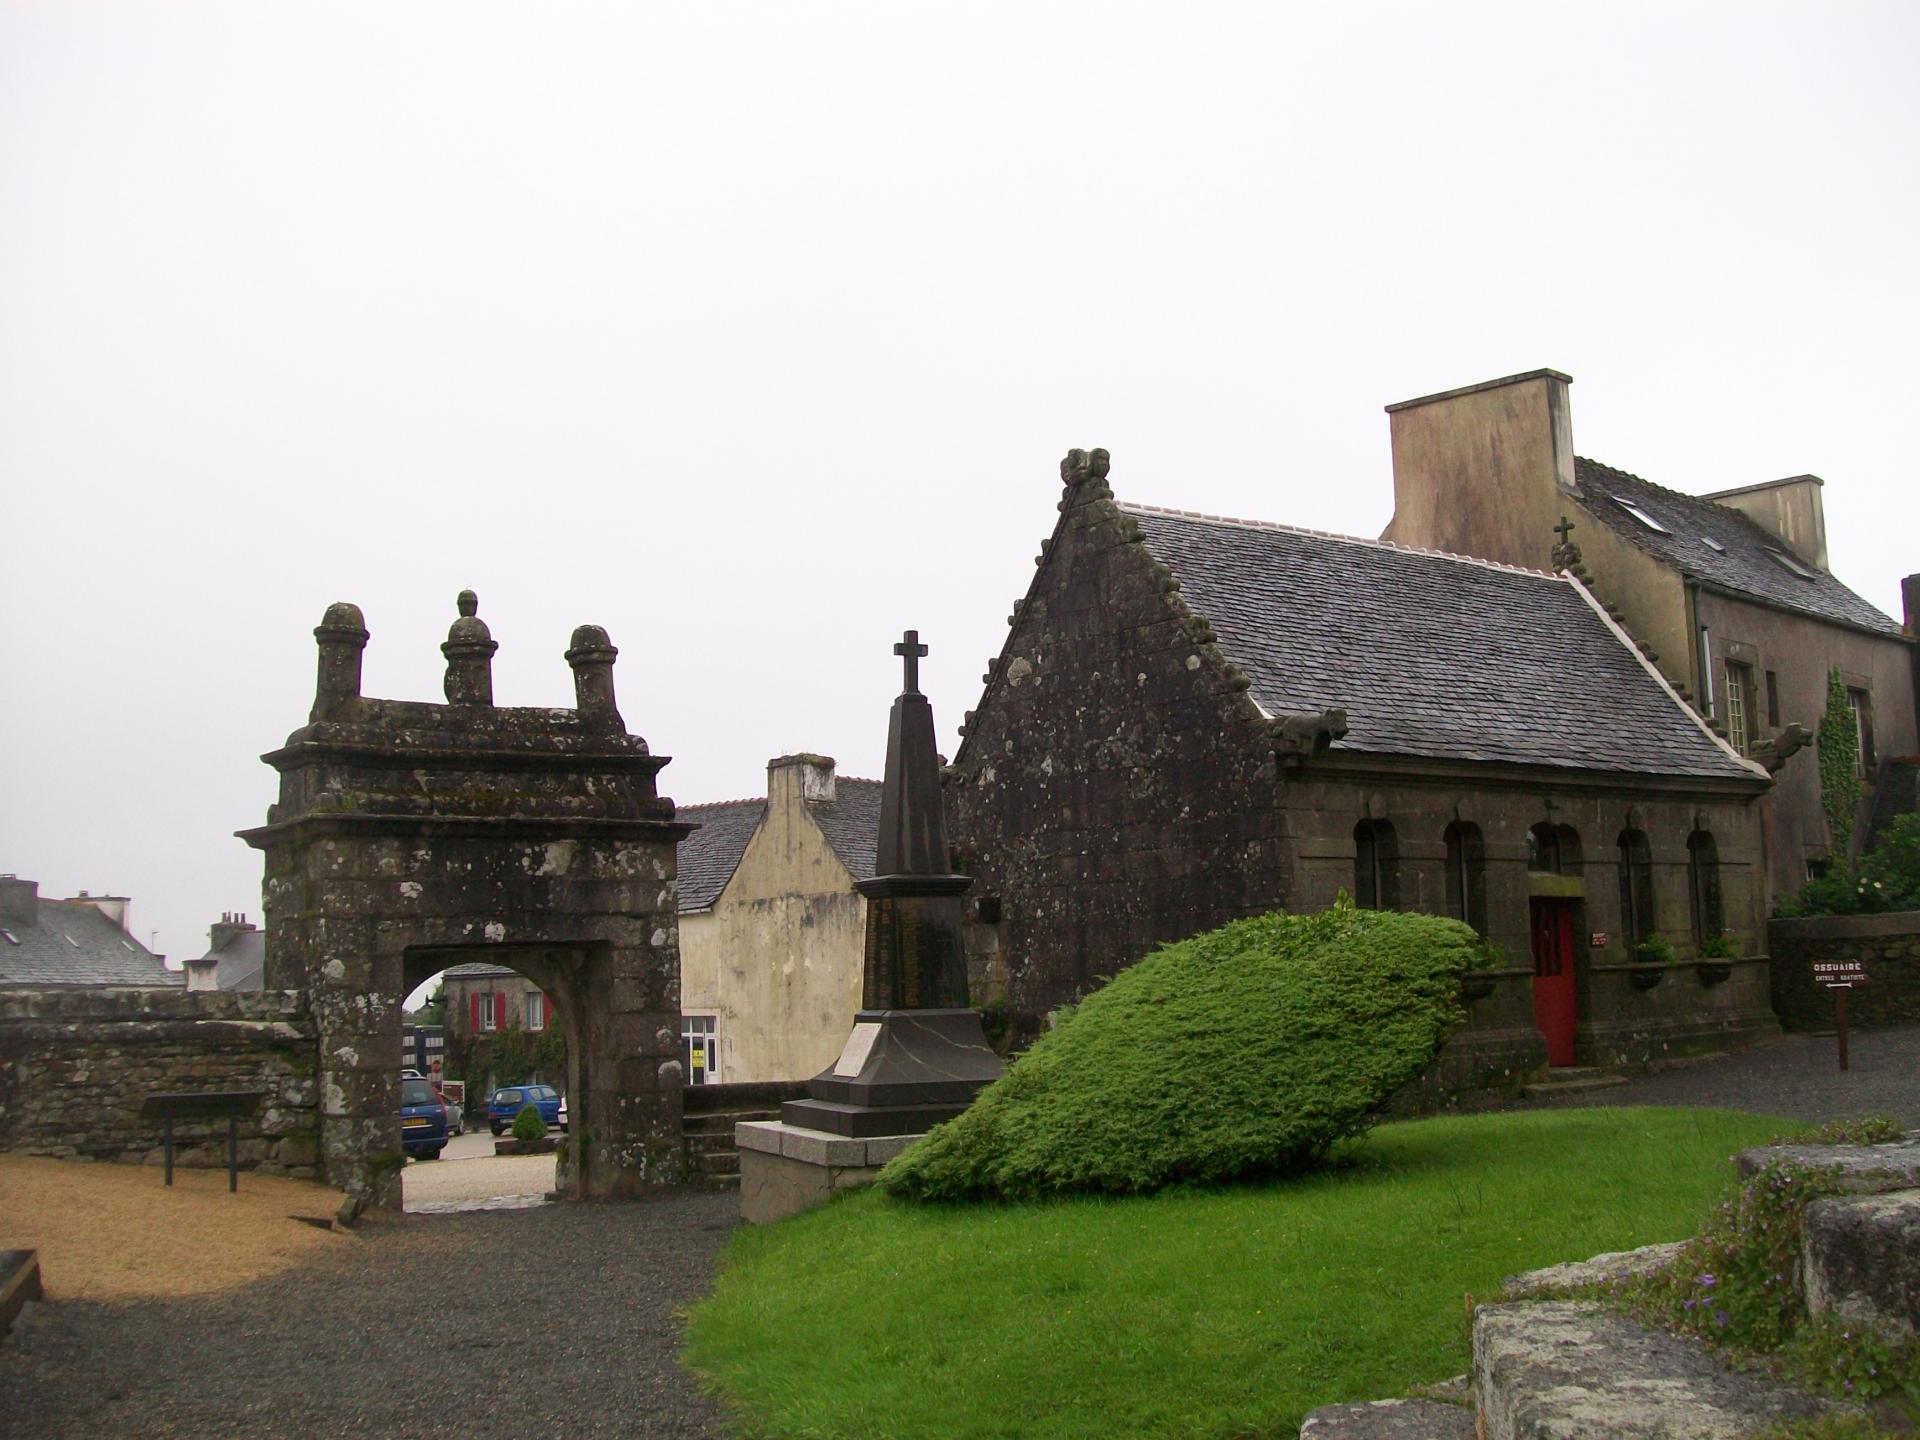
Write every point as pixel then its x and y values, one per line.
pixel 1306 733
pixel 1775 752
pixel 1083 465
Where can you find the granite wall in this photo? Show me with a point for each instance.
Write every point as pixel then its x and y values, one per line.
pixel 1889 947
pixel 76 1066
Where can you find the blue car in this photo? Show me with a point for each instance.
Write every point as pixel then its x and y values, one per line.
pixel 423 1120
pixel 511 1100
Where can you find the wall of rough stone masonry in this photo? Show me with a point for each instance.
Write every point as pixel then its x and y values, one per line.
pixel 1889 947
pixel 77 1065
pixel 1115 788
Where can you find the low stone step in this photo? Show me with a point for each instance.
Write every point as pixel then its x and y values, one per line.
pixel 724 1163
pixel 1555 1085
pixel 1388 1420
pixel 1558 1369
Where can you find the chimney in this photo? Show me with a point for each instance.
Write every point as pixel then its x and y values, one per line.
pixel 1789 510
pixel 1482 470
pixel 1910 603
pixel 19 901
pixel 202 973
pixel 114 907
pixel 803 776
pixel 220 934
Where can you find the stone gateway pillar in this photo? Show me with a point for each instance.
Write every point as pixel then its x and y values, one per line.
pixel 409 837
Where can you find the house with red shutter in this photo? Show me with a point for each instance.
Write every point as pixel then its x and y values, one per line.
pixel 482 999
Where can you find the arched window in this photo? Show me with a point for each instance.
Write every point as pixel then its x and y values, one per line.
pixel 1636 887
pixel 1467 875
pixel 1376 866
pixel 1703 886
pixel 1543 850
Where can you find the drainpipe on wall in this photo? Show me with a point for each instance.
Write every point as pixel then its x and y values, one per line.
pixel 1706 670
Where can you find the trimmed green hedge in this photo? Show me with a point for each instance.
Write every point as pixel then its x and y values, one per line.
pixel 1246 1051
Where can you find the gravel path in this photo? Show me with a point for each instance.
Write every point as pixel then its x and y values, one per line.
pixel 1797 1076
pixel 561 1321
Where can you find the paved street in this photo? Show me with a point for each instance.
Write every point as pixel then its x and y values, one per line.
pixel 1797 1076
pixel 468 1176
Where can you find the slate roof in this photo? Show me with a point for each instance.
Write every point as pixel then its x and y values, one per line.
pixel 709 856
pixel 475 968
pixel 240 964
pixel 1745 564
pixel 852 823
pixel 74 944
pixel 1432 655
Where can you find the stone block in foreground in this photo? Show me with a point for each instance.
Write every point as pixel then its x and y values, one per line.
pixel 785 1169
pixel 1548 1371
pixel 1870 1164
pixel 1860 1259
pixel 1388 1420
pixel 1614 1265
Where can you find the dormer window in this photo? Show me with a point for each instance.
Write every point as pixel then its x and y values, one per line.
pixel 1642 516
pixel 1788 563
pixel 1713 545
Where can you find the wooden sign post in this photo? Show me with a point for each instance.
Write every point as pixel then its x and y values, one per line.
pixel 1840 976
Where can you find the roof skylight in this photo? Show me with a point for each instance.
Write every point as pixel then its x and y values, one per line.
pixel 1642 516
pixel 12 939
pixel 1713 545
pixel 1788 563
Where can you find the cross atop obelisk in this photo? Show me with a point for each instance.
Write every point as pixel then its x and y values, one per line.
pixel 1564 529
pixel 910 650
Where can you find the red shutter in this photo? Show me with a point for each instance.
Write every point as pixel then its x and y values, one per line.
pixel 475 1007
pixel 499 1009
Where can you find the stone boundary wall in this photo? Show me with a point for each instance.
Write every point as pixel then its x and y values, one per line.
pixel 1889 947
pixel 76 1066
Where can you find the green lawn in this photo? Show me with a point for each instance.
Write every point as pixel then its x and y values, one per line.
pixel 1226 1312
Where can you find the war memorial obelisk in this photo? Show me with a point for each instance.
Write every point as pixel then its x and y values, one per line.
pixel 917 1054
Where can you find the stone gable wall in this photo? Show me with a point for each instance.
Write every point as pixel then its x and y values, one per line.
pixel 76 1066
pixel 1115 789
pixel 1889 947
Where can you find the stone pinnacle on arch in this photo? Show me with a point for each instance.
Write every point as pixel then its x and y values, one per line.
pixel 469 650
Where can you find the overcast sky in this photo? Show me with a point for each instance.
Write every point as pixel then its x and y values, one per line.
pixel 756 333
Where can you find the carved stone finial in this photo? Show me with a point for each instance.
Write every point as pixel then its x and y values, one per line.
pixel 1566 554
pixel 1080 466
pixel 592 655
pixel 469 651
pixel 341 635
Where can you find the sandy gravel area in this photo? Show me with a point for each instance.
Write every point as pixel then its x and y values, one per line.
pixel 117 1232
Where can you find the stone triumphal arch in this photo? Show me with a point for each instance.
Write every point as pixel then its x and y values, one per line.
pixel 412 836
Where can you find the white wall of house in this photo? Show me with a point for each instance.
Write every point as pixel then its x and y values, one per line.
pixel 777 959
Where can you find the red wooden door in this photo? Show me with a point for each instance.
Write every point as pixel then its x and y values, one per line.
pixel 1553 1003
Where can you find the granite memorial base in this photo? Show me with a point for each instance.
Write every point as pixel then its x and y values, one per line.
pixel 785 1169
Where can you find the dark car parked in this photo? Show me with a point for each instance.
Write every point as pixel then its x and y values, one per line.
pixel 510 1100
pixel 423 1120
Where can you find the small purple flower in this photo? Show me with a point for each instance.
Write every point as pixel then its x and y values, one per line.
pixel 1707 1281
pixel 1720 1318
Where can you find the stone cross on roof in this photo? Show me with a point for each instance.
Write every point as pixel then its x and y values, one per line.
pixel 1563 529
pixel 910 650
